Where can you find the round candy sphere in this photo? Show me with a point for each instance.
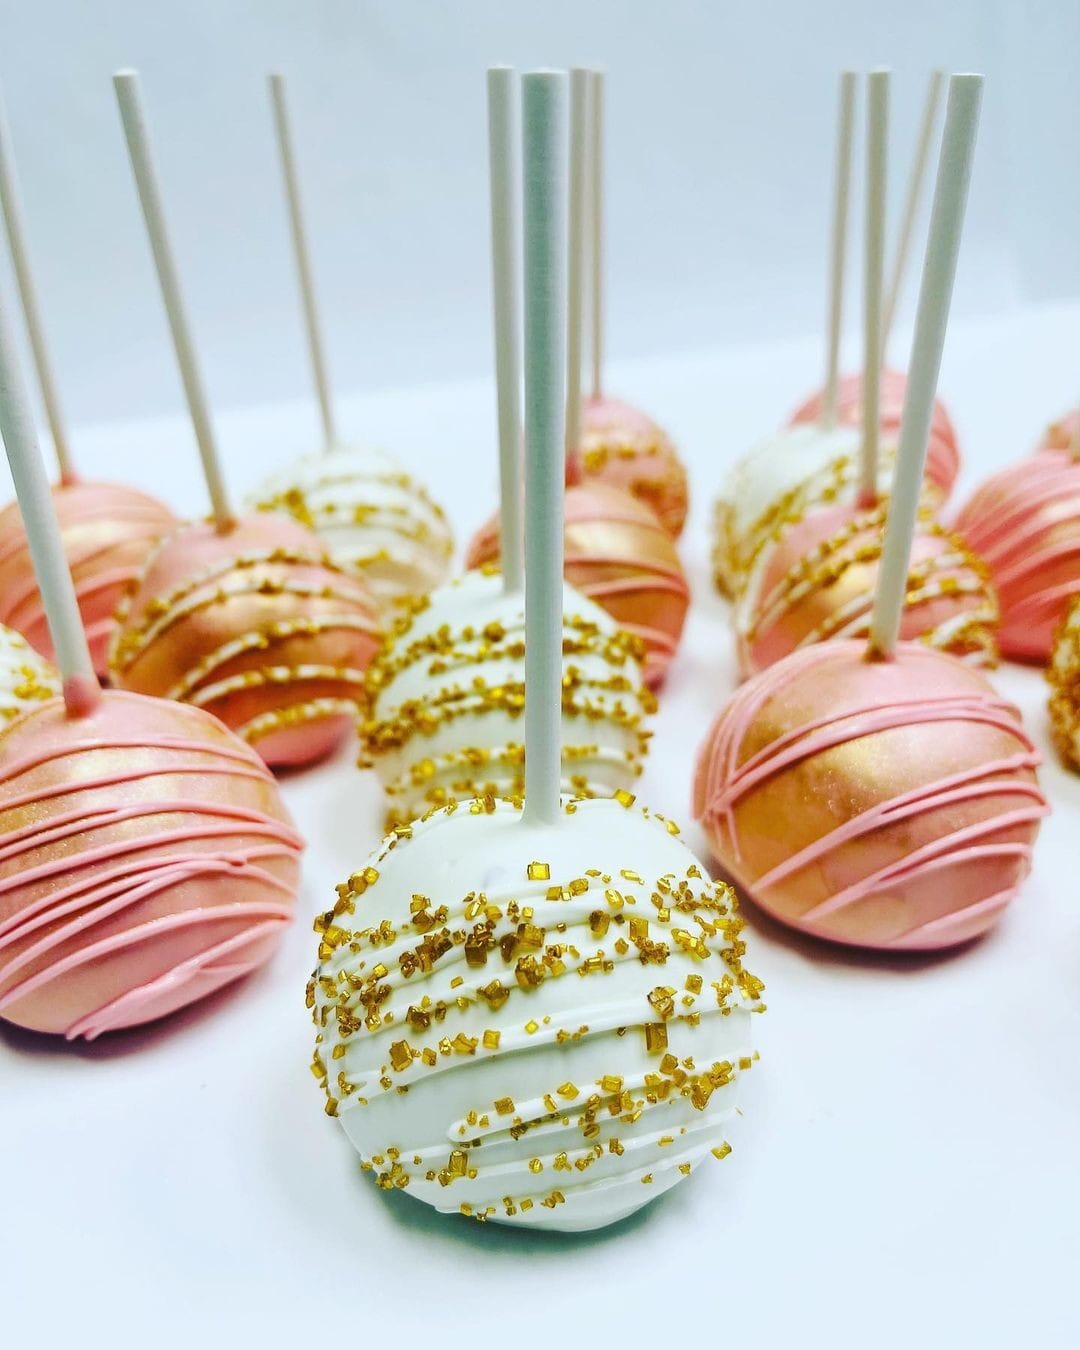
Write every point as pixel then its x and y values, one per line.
pixel 107 530
pixel 624 448
pixel 618 555
pixel 256 624
pixel 889 804
pixel 543 1026
pixel 448 689
pixel 1025 522
pixel 1064 675
pixel 147 860
pixel 26 679
pixel 372 517
pixel 942 451
pixel 818 580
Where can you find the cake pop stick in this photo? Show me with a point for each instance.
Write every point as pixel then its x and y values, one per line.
pixel 575 271
pixel 916 179
pixel 129 98
pixel 596 227
pixel 81 689
pixel 11 200
pixel 503 142
pixel 304 273
pixel 876 177
pixel 935 297
pixel 545 259
pixel 838 249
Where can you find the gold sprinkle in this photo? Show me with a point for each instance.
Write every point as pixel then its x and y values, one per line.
pixel 539 871
pixel 504 1106
pixel 491 1040
pixel 625 798
pixel 655 1037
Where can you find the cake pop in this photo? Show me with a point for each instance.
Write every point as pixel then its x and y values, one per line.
pixel 373 517
pixel 146 857
pixel 1064 675
pixel 575 1042
pixel 107 528
pixel 815 578
pixel 26 679
pixel 246 616
pixel 446 692
pixel 1025 521
pixel 611 442
pixel 881 794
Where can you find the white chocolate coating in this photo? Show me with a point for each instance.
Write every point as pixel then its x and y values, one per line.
pixel 565 1006
pixel 447 694
pixel 26 679
pixel 373 518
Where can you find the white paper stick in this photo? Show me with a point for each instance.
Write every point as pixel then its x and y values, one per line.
pixel 43 531
pixel 838 249
pixel 129 97
pixel 504 150
pixel 916 179
pixel 304 273
pixel 545 174
pixel 596 227
pixel 877 136
pixel 575 270
pixel 11 199
pixel 931 319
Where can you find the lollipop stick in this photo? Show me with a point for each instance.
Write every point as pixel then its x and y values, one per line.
pixel 596 225
pixel 876 169
pixel 129 97
pixel 579 95
pixel 505 173
pixel 11 199
pixel 303 258
pixel 935 296
pixel 81 689
pixel 911 202
pixel 838 250
pixel 544 141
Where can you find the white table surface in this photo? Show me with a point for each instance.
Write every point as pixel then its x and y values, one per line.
pixel 907 1169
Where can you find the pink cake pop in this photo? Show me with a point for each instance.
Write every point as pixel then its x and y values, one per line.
pixel 146 857
pixel 881 795
pixel 1025 521
pixel 107 528
pixel 248 617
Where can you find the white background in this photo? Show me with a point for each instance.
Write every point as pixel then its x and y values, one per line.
pixel 906 1170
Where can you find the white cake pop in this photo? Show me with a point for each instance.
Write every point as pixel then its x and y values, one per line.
pixel 536 1015
pixel 26 679
pixel 374 518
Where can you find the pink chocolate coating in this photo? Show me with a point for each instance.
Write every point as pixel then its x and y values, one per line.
pixel 620 556
pixel 942 451
pixel 108 530
pixel 818 582
pixel 258 625
pixel 146 860
pixel 886 804
pixel 1025 521
pixel 623 447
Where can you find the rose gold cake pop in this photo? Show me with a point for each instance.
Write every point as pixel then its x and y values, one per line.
pixel 623 447
pixel 107 528
pixel 1025 521
pixel 618 555
pixel 256 624
pixel 146 857
pixel 881 794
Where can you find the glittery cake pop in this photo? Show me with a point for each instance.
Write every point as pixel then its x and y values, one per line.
pixel 372 516
pixel 1025 521
pixel 623 447
pixel 246 617
pixel 146 857
pixel 107 528
pixel 1063 673
pixel 534 1015
pixel 26 679
pixel 815 579
pixel 881 795
pixel 447 691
